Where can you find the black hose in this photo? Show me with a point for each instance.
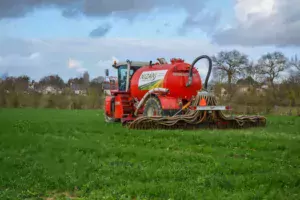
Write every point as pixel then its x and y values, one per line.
pixel 208 73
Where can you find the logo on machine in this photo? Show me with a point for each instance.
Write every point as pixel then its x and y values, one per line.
pixel 148 77
pixel 151 79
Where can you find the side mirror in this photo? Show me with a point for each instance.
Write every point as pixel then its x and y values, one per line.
pixel 106 72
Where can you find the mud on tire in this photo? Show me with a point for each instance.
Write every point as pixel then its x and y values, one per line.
pixel 153 107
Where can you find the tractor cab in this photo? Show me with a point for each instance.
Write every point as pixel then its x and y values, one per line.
pixel 125 72
pixel 117 103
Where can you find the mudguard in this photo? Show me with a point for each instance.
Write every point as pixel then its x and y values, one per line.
pixel 169 103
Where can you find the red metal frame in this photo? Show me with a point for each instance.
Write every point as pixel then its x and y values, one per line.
pixel 169 103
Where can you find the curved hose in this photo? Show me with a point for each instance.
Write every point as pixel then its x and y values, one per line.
pixel 208 73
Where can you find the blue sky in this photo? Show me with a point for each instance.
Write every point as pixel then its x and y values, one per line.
pixel 43 41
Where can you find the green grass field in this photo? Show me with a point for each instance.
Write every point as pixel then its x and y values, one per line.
pixel 63 154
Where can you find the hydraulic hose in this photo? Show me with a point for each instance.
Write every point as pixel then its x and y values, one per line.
pixel 208 73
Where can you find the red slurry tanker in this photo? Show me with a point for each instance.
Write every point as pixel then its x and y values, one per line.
pixel 168 96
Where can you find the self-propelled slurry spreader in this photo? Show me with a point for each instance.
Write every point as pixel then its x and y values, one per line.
pixel 168 96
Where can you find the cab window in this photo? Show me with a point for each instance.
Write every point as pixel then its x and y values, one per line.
pixel 122 76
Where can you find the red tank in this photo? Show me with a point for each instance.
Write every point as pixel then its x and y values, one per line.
pixel 172 76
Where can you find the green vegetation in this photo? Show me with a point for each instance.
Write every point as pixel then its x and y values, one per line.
pixel 73 153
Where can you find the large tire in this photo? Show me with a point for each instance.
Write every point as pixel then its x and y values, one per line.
pixel 153 107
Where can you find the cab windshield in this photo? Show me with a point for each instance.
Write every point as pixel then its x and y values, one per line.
pixel 122 77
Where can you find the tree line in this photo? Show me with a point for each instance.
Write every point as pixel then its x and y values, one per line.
pixel 22 83
pixel 52 92
pixel 231 65
pixel 233 70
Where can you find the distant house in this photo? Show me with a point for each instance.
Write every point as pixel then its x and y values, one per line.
pixel 247 81
pixel 33 86
pixel 80 92
pixel 44 89
pixel 246 90
pixel 78 89
pixel 223 92
pixel 51 90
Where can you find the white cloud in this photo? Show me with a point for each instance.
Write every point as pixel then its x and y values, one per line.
pixel 17 65
pixel 77 65
pixel 101 63
pixel 18 60
pixel 106 64
pixel 70 57
pixel 263 22
pixel 34 56
pixel 245 8
pixel 96 54
pixel 73 63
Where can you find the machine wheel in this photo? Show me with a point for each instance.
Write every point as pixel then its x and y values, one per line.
pixel 152 107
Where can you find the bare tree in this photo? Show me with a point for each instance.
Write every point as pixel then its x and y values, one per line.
pixel 219 76
pixel 231 63
pixel 271 65
pixel 22 83
pixel 252 70
pixel 294 79
pixel 97 80
pixel 77 81
pixel 52 80
pixel 295 62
